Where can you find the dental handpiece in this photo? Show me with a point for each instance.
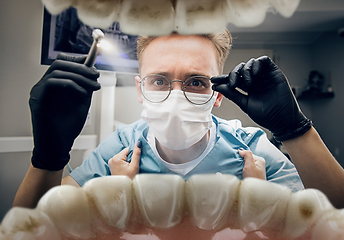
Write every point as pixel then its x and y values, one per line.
pixel 97 35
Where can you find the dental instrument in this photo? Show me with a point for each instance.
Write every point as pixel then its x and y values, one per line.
pixel 97 35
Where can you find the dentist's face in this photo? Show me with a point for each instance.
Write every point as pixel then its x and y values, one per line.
pixel 179 57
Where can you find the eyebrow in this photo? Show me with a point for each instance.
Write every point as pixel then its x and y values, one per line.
pixel 191 74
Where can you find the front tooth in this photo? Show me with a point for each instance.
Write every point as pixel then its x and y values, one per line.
pixel 247 13
pixel 330 226
pixel 98 13
pixel 25 224
pixel 160 199
pixel 57 6
pixel 285 7
pixel 149 17
pixel 201 16
pixel 262 205
pixel 68 207
pixel 112 198
pixel 305 207
pixel 210 198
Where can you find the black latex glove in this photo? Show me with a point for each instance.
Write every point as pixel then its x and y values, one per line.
pixel 59 105
pixel 269 101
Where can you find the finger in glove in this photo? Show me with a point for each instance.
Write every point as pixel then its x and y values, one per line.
pixel 70 58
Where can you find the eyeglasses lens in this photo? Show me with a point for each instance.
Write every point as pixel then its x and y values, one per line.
pixel 156 88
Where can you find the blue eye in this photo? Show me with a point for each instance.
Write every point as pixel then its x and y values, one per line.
pixel 159 82
pixel 156 83
pixel 196 83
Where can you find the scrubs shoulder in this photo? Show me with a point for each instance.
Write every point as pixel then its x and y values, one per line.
pixel 231 136
pixel 223 158
pixel 96 165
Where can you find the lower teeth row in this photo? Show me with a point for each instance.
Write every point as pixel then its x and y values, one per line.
pixel 210 203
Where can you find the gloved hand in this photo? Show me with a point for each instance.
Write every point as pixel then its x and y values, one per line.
pixel 269 100
pixel 59 105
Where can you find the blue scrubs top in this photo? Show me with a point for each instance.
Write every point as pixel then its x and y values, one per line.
pixel 223 158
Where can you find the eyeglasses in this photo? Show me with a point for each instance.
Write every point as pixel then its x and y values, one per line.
pixel 157 88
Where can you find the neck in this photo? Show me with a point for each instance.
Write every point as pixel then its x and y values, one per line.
pixel 185 155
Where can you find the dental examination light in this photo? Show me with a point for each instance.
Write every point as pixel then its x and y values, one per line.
pixel 161 17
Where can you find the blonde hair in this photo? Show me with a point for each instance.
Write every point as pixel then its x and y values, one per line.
pixel 222 42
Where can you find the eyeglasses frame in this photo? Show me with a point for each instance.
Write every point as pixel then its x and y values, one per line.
pixel 170 88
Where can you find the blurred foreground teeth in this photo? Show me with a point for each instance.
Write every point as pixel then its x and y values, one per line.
pixel 201 16
pixel 161 17
pixel 68 207
pixel 210 198
pixel 57 6
pixel 330 226
pixel 100 13
pixel 115 203
pixel 28 224
pixel 160 199
pixel 247 13
pixel 208 205
pixel 285 7
pixel 304 209
pixel 262 205
pixel 147 17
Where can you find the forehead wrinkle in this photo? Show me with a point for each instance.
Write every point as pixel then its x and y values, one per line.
pixel 185 76
pixel 179 55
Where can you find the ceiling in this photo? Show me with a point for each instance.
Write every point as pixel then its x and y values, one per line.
pixel 311 19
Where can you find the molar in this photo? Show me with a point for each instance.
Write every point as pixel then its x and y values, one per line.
pixel 28 224
pixel 305 207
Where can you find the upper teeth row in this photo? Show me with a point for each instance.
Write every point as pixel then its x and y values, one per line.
pixel 114 204
pixel 161 17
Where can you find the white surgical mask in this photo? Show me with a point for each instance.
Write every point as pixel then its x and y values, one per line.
pixel 176 123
